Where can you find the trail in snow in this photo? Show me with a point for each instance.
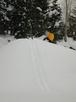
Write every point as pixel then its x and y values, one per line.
pixel 37 71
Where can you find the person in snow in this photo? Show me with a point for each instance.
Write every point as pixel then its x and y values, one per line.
pixel 50 37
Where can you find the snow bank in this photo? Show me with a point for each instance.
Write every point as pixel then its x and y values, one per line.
pixel 37 71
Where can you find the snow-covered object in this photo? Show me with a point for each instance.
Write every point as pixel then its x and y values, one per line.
pixel 37 71
pixel 10 8
pixel 39 8
pixel 53 12
pixel 73 15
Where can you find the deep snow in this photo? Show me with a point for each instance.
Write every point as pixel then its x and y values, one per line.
pixel 37 71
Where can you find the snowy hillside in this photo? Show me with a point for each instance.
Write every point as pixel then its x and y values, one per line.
pixel 37 71
pixel 4 40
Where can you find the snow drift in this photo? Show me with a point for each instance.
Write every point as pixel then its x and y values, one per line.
pixel 37 71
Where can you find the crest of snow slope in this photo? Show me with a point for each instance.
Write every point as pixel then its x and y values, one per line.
pixel 37 71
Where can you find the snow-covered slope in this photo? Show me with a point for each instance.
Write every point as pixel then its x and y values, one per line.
pixel 4 39
pixel 70 43
pixel 37 71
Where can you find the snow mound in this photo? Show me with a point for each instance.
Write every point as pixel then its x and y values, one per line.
pixel 37 71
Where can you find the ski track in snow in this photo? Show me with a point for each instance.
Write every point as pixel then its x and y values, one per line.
pixel 37 71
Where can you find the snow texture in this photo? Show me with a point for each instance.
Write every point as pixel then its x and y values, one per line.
pixel 37 71
pixel 4 40
pixel 70 43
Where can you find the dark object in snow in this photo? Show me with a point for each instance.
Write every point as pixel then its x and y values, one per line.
pixel 9 40
pixel 59 37
pixel 70 34
pixel 72 48
pixel 46 38
pixel 52 42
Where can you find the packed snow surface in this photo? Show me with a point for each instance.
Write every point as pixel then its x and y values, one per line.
pixel 37 71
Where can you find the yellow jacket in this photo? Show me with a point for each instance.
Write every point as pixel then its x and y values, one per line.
pixel 50 36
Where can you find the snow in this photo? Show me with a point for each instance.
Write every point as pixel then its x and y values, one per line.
pixel 70 43
pixel 39 9
pixel 37 71
pixel 10 8
pixel 4 40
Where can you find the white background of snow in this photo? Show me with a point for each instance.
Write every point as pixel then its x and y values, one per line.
pixel 4 40
pixel 70 43
pixel 37 71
